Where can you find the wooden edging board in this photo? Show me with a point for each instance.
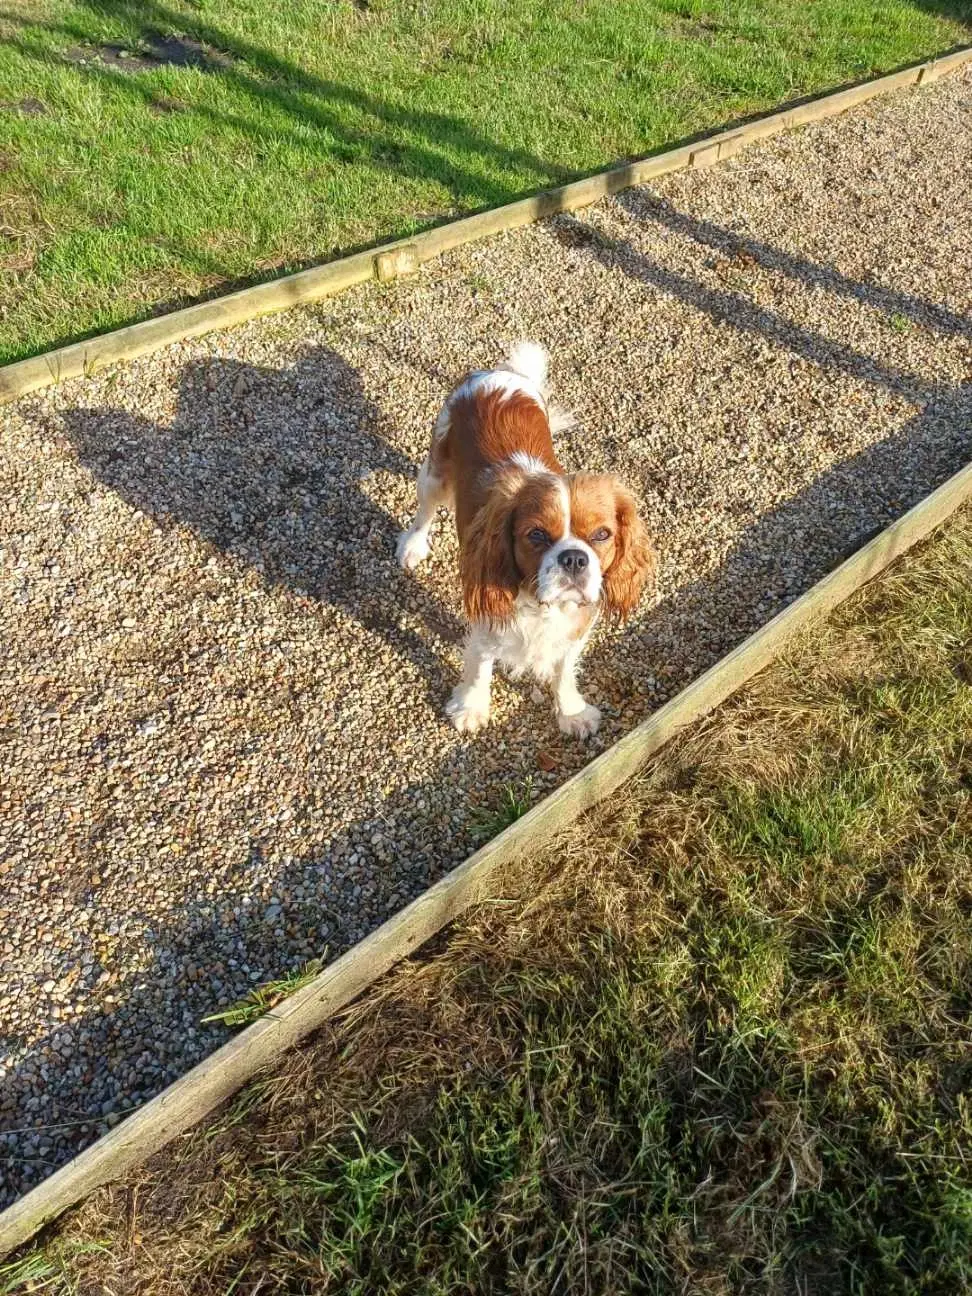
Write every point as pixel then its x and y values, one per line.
pixel 403 256
pixel 189 1099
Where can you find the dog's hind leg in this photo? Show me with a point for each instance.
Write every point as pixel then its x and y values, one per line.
pixel 435 491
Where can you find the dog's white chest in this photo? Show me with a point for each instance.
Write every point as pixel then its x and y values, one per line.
pixel 539 638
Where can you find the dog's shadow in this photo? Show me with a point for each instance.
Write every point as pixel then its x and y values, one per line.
pixel 282 469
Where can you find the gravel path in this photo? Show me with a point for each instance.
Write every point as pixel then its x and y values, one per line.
pixel 220 701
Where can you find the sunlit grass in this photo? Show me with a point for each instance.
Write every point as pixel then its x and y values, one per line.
pixel 312 128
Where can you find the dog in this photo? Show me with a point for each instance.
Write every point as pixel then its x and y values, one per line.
pixel 542 552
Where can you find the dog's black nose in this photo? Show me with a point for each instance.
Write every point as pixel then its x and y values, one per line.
pixel 573 561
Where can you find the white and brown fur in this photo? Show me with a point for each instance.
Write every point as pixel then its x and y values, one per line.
pixel 542 552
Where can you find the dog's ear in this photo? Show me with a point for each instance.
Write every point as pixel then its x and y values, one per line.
pixel 490 579
pixel 634 560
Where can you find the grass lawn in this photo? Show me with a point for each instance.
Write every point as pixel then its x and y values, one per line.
pixel 153 151
pixel 719 1043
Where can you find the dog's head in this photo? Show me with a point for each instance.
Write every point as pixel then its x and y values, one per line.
pixel 564 540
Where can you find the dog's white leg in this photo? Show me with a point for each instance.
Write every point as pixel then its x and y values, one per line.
pixel 433 493
pixel 574 715
pixel 468 708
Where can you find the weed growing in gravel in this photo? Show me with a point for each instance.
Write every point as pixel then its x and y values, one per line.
pixel 480 285
pixel 515 801
pixel 264 997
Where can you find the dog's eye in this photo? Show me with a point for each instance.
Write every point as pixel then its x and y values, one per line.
pixel 600 535
pixel 538 536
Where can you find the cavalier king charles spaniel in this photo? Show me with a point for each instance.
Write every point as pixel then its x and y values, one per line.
pixel 542 552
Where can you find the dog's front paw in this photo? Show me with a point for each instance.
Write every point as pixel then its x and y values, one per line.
pixel 582 724
pixel 412 548
pixel 468 710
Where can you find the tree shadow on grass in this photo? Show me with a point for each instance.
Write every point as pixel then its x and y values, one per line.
pixel 959 11
pixel 340 124
pixel 270 100
pixel 352 127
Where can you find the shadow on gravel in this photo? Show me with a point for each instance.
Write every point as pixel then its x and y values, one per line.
pixel 778 556
pixel 790 548
pixel 57 1098
pixel 280 469
pixel 743 250
pixel 283 470
pixel 258 462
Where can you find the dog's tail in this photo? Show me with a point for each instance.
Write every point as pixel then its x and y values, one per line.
pixel 530 361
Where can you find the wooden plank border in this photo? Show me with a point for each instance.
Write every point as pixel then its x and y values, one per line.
pixel 192 1097
pixel 403 256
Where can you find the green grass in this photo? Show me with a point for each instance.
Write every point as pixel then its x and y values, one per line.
pixel 329 125
pixel 718 1044
pixel 515 800
pixel 264 997
pixel 25 1275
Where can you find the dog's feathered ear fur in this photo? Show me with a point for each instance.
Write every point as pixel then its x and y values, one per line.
pixel 635 560
pixel 490 579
